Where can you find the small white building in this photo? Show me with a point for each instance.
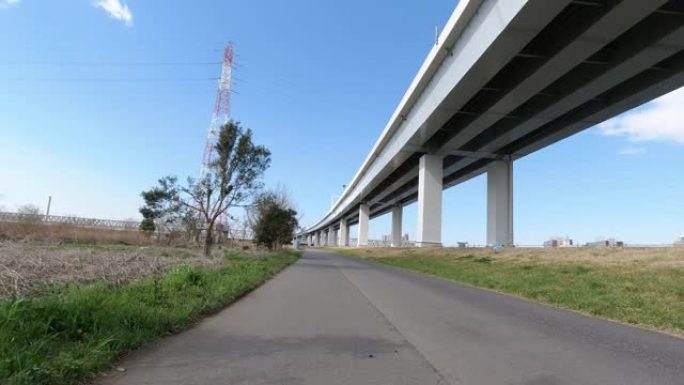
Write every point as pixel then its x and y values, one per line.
pixel 610 242
pixel 559 242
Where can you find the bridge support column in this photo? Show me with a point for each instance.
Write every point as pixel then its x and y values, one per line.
pixel 364 213
pixel 500 203
pixel 319 239
pixel 430 175
pixel 331 237
pixel 344 234
pixel 397 212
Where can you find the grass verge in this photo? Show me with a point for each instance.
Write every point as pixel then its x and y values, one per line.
pixel 644 295
pixel 74 331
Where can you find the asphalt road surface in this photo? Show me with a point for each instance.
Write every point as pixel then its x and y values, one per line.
pixel 329 319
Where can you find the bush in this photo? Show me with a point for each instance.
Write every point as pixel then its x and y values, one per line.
pixel 273 220
pixel 30 214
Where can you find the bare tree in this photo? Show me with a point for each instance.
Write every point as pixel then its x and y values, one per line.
pixel 30 213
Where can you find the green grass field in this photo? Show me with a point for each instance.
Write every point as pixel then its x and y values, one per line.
pixel 643 294
pixel 73 331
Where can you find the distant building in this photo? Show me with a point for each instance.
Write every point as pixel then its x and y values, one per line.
pixel 462 245
pixel 388 237
pixel 610 242
pixel 386 240
pixel 559 242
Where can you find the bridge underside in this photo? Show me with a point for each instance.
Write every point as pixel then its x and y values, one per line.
pixel 552 69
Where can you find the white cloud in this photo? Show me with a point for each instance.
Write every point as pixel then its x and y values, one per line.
pixel 116 10
pixel 660 120
pixel 629 150
pixel 7 3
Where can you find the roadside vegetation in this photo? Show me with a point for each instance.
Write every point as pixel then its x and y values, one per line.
pixel 231 178
pixel 272 219
pixel 74 299
pixel 198 212
pixel 58 233
pixel 636 286
pixel 82 318
pixel 30 269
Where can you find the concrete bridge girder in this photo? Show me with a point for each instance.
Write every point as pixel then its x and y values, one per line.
pixel 616 56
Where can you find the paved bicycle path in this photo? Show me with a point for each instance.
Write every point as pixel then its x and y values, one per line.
pixel 329 319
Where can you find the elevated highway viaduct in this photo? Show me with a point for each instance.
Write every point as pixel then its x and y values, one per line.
pixel 505 79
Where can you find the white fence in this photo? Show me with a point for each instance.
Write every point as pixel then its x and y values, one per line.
pixel 77 221
pixel 229 233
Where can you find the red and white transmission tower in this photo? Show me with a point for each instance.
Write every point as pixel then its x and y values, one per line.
pixel 221 113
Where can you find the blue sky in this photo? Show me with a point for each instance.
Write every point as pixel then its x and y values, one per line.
pixel 98 99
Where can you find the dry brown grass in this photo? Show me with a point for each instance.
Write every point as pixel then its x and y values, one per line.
pixel 64 233
pixel 643 257
pixel 26 268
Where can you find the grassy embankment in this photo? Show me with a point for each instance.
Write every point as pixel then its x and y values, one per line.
pixel 636 286
pixel 38 232
pixel 69 332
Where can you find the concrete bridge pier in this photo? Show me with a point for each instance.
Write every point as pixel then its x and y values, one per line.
pixel 397 213
pixel 429 234
pixel 344 233
pixel 430 176
pixel 331 237
pixel 364 214
pixel 500 203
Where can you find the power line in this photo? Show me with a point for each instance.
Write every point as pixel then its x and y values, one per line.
pixel 131 80
pixel 95 63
